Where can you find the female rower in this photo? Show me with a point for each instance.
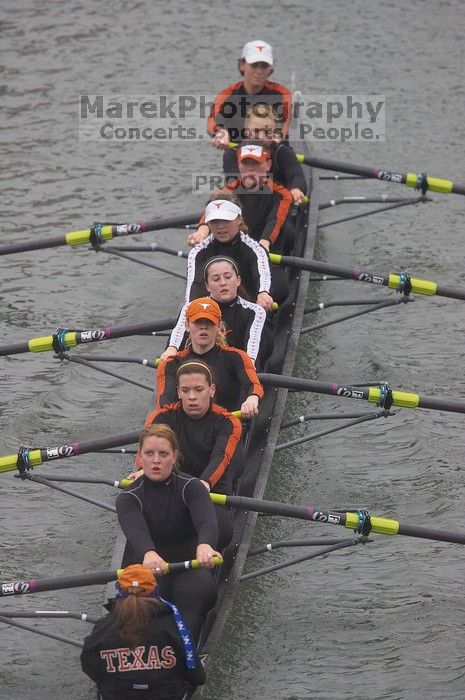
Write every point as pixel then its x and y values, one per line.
pixel 168 516
pixel 221 233
pixel 237 384
pixel 226 120
pixel 141 649
pixel 262 124
pixel 245 323
pixel 209 437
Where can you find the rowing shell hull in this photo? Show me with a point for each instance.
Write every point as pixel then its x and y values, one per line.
pixel 262 439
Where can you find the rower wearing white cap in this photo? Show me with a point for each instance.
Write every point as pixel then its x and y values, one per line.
pixel 226 120
pixel 224 226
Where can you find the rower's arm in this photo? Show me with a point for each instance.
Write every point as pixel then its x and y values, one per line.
pixel 134 525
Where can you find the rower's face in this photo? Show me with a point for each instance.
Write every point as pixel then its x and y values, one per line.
pixel 253 174
pixel 195 394
pixel 256 74
pixel 222 281
pixel 158 458
pixel 224 231
pixel 203 333
pixel 262 128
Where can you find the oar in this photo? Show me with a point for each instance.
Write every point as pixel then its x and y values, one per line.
pixel 381 395
pixel 361 522
pixel 419 181
pixel 87 579
pixel 99 233
pixel 64 339
pixel 28 458
pixel 401 282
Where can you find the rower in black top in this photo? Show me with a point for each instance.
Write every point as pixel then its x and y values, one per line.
pixel 166 516
pixel 237 384
pixel 246 324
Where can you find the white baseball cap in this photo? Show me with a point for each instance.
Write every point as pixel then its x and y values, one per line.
pixel 257 51
pixel 222 209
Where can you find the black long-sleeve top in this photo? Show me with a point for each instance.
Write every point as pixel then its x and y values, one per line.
pixel 208 444
pixel 170 517
pixel 233 372
pixel 250 257
pixel 158 662
pixel 264 212
pixel 285 168
pixel 246 327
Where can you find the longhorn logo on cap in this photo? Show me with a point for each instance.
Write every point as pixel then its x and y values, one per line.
pixel 259 47
pixel 218 204
pixel 205 306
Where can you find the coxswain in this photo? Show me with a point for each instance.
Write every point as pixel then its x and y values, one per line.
pixel 237 384
pixel 167 516
pixel 221 232
pixel 226 120
pixel 142 649
pixel 246 324
pixel 262 125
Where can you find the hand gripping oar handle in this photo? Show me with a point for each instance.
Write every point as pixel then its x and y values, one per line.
pixel 360 521
pixel 87 579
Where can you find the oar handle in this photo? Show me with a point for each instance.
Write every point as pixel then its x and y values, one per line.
pixel 8 588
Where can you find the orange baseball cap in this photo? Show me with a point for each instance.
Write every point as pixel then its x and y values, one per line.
pixel 137 579
pixel 204 307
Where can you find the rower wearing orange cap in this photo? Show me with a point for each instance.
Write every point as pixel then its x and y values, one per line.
pixel 142 648
pixel 226 120
pixel 237 384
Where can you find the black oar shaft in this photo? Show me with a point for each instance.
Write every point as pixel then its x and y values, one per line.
pixel 416 180
pixel 73 338
pixel 403 399
pixel 391 280
pixel 106 233
pixel 57 583
pixel 43 633
pixel 47 454
pixel 350 520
